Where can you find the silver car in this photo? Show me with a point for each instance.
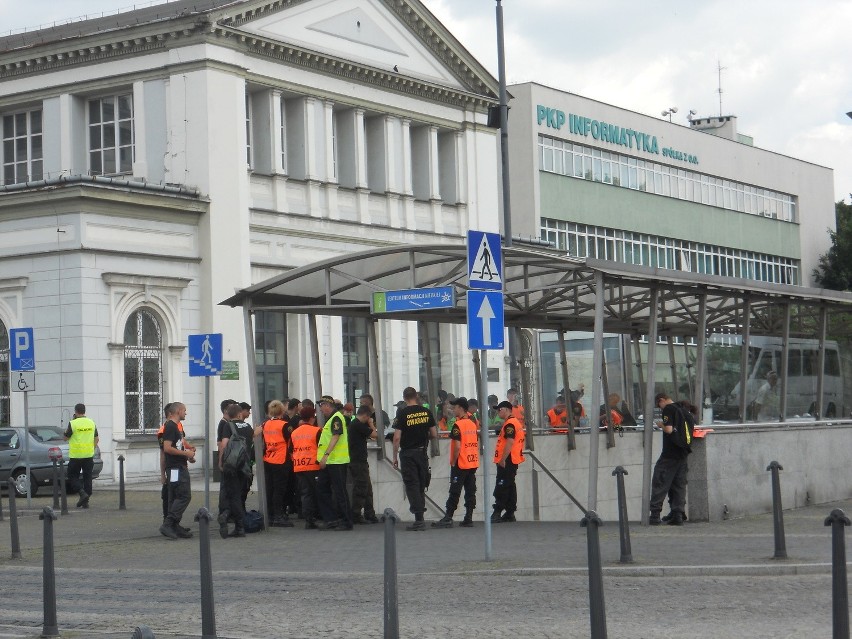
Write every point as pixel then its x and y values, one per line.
pixel 45 444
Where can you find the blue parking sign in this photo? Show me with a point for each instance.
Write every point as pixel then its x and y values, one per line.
pixel 21 349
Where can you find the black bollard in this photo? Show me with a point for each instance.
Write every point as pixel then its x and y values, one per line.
pixel 597 606
pixel 121 505
pixel 55 484
pixel 839 592
pixel 777 515
pixel 13 521
pixel 63 494
pixel 623 525
pixel 391 602
pixel 208 611
pixel 50 629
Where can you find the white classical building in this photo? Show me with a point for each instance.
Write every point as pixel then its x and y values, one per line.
pixel 155 161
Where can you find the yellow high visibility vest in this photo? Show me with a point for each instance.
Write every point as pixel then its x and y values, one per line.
pixel 81 445
pixel 340 452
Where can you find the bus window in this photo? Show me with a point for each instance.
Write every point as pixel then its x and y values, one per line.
pixel 832 363
pixel 764 365
pixel 810 362
pixel 794 363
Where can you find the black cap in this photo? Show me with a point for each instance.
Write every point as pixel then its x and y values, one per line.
pixel 503 405
pixel 459 401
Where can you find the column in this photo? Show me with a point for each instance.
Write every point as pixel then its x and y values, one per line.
pixel 330 170
pixel 140 131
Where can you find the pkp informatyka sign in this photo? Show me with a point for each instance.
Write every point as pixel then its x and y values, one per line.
pixel 415 299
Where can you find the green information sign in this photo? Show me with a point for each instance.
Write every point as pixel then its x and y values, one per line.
pixel 230 370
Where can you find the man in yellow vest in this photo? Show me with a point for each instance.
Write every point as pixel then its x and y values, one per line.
pixel 82 436
pixel 464 460
pixel 333 458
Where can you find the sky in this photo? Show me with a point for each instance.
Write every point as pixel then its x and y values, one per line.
pixel 787 64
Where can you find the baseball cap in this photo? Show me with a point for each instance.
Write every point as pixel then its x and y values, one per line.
pixel 503 405
pixel 459 401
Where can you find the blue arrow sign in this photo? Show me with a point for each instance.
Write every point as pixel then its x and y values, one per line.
pixel 485 320
pixel 205 355
pixel 484 261
pixel 21 349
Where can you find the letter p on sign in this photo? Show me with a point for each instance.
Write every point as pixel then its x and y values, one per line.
pixel 22 357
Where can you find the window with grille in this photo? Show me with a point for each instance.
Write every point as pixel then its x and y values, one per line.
pixel 22 147
pixel 111 144
pixel 143 373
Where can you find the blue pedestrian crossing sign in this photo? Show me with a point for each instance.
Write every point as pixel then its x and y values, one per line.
pixel 205 355
pixel 484 261
pixel 485 320
pixel 21 349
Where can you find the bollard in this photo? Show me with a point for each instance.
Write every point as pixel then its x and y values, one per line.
pixel 50 629
pixel 777 515
pixel 55 485
pixel 597 607
pixel 208 611
pixel 839 592
pixel 63 494
pixel 142 632
pixel 121 505
pixel 13 521
pixel 391 602
pixel 623 525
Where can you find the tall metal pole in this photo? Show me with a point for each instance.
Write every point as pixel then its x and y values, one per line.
pixel 27 448
pixel 648 412
pixel 700 356
pixel 823 329
pixel 504 128
pixel 486 461
pixel 375 383
pixel 746 330
pixel 254 393
pixel 208 454
pixel 315 363
pixel 597 365
pixel 785 365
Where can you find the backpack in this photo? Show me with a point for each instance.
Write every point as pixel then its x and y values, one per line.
pixel 252 521
pixel 682 433
pixel 235 457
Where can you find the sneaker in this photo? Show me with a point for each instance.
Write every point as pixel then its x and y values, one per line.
pixel 495 517
pixel 83 498
pixel 507 518
pixel 167 530
pixel 467 522
pixel 371 519
pixel 416 526
pixel 182 533
pixel 223 524
pixel 445 522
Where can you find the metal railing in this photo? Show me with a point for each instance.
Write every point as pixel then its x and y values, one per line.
pixel 556 481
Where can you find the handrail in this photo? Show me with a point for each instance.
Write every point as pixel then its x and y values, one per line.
pixel 556 481
pixel 434 504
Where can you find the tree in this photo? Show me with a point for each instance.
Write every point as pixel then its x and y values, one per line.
pixel 835 267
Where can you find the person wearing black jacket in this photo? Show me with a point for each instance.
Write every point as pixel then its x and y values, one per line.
pixel 362 428
pixel 671 468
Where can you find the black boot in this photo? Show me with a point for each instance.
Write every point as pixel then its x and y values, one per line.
pixel 467 522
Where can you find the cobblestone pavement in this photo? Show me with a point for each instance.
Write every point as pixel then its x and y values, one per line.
pixel 700 581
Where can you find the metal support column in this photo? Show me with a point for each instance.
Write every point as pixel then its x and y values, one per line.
pixel 700 357
pixel 690 391
pixel 610 427
pixel 823 329
pixel 375 383
pixel 315 360
pixel 746 329
pixel 629 394
pixel 639 372
pixel 673 366
pixel 650 392
pixel 566 389
pixel 525 391
pixel 597 361
pixel 431 393
pixel 785 364
pixel 254 393
pixel 486 463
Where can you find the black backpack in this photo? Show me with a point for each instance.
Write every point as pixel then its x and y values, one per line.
pixel 235 457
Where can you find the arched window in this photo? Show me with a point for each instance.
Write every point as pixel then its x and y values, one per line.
pixel 143 373
pixel 4 376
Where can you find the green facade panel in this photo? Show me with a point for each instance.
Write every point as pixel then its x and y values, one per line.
pixel 585 202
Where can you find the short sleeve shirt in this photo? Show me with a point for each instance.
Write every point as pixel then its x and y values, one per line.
pixel 173 434
pixel 414 423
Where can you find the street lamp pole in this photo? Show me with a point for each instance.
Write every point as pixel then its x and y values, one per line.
pixel 504 128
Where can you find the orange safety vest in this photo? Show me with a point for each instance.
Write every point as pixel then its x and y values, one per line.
pixel 518 413
pixel 558 419
pixel 517 454
pixel 304 440
pixel 468 457
pixel 275 446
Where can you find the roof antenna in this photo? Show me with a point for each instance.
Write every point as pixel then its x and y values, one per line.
pixel 719 90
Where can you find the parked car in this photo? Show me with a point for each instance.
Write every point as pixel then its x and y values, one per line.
pixel 45 444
